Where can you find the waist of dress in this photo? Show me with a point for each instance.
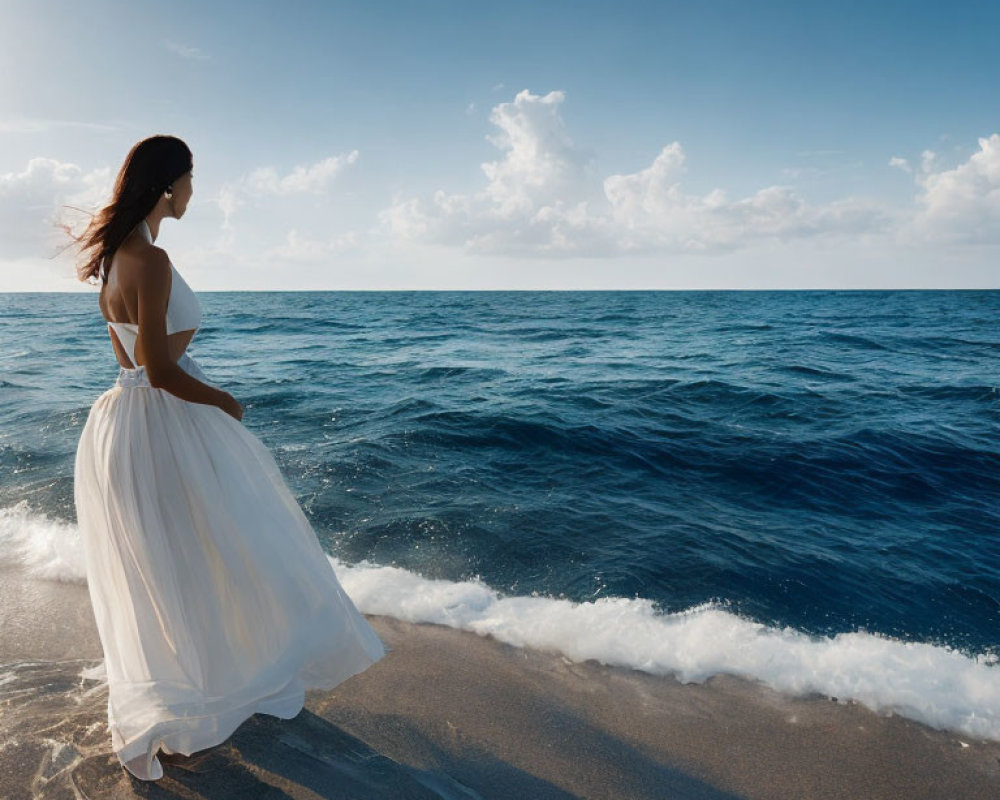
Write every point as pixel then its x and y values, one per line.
pixel 136 376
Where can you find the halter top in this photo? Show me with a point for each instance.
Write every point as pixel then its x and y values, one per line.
pixel 183 308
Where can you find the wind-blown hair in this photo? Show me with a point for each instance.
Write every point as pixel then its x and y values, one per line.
pixel 151 166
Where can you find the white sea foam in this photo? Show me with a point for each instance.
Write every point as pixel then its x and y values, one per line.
pixel 934 685
pixel 48 549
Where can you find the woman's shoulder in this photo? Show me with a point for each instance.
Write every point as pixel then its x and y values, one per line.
pixel 135 254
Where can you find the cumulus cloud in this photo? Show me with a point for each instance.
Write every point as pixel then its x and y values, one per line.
pixel 544 197
pixel 252 204
pixel 651 211
pixel 264 183
pixel 541 164
pixel 962 204
pixel 31 201
pixel 313 178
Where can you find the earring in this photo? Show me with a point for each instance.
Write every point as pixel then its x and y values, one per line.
pixel 168 193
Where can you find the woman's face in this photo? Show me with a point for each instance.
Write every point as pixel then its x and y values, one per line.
pixel 182 192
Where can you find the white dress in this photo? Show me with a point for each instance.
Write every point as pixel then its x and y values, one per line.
pixel 213 597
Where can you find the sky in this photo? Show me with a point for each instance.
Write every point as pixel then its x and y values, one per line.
pixel 516 145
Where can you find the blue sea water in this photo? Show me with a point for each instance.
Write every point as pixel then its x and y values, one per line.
pixel 742 477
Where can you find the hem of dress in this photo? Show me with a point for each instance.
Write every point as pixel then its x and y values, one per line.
pixel 156 737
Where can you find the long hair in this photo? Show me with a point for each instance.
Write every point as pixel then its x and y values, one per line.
pixel 151 166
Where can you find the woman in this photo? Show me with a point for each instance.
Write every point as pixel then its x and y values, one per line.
pixel 212 595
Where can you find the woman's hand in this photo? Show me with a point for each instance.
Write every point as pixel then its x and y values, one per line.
pixel 232 407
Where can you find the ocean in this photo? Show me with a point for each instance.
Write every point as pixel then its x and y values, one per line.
pixel 798 487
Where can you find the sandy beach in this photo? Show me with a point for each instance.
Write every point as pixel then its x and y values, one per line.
pixel 450 714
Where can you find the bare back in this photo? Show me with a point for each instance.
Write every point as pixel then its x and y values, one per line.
pixel 119 298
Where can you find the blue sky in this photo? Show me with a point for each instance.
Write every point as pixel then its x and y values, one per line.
pixel 518 145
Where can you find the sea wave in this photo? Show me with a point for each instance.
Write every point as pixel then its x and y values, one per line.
pixel 935 685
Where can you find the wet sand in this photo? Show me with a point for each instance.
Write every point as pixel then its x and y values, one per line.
pixel 450 714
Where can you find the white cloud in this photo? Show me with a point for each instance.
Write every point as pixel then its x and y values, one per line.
pixel 962 204
pixel 228 200
pixel 264 183
pixel 186 52
pixel 34 199
pixel 31 202
pixel 541 164
pixel 312 178
pixel 254 205
pixel 543 197
pixel 652 212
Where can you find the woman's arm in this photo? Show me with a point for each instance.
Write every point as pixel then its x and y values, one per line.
pixel 153 289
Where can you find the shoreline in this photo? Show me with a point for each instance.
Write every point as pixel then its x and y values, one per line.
pixel 450 713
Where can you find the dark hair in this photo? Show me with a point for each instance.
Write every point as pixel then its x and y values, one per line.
pixel 151 166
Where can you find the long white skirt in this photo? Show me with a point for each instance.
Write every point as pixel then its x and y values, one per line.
pixel 212 595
